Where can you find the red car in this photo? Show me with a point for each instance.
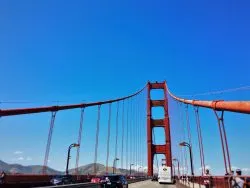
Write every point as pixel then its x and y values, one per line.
pixel 96 180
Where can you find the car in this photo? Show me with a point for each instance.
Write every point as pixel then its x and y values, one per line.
pixel 61 180
pixel 154 178
pixel 95 179
pixel 114 181
pixel 131 177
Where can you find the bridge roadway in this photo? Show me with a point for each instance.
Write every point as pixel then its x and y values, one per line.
pixel 150 184
pixel 141 184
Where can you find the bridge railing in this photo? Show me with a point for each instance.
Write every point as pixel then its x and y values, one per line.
pixel 212 181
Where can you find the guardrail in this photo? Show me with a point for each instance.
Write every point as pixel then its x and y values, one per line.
pixel 212 181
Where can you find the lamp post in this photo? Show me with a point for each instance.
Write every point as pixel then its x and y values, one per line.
pixel 114 164
pixel 68 157
pixel 178 163
pixel 191 157
pixel 130 169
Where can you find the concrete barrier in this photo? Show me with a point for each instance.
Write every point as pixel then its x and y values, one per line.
pixel 77 185
pixel 90 185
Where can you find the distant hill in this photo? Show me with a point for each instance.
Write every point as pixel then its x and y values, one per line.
pixel 31 169
pixel 37 169
pixel 101 169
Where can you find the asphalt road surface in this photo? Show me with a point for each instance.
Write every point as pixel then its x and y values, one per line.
pixel 150 184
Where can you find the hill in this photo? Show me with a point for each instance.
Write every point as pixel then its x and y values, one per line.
pixel 37 169
pixel 20 169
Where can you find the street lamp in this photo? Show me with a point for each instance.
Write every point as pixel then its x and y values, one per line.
pixel 114 164
pixel 191 157
pixel 68 157
pixel 130 169
pixel 178 163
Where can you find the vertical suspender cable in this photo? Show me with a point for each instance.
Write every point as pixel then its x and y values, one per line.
pixel 108 139
pixel 79 141
pixel 224 142
pixel 185 169
pixel 122 133
pixel 130 132
pixel 97 138
pixel 136 135
pixel 225 138
pixel 182 137
pixel 127 129
pixel 189 129
pixel 140 131
pixel 116 135
pixel 52 122
pixel 196 110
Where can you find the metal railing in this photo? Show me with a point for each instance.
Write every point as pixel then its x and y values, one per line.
pixel 211 181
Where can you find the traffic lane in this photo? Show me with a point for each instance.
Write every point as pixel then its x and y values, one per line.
pixel 150 184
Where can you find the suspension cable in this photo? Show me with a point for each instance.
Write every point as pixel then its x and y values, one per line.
pixel 116 135
pixel 11 112
pixel 189 129
pixel 108 139
pixel 184 150
pixel 226 156
pixel 79 141
pixel 140 132
pixel 130 132
pixel 135 137
pixel 182 136
pixel 97 138
pixel 127 141
pixel 137 131
pixel 196 110
pixel 51 127
pixel 122 133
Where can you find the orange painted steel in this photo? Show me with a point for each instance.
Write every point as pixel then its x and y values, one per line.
pixel 12 112
pixel 152 123
pixel 220 105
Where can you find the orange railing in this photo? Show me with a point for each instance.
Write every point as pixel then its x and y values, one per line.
pixel 211 181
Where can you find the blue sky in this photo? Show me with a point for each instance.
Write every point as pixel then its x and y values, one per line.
pixel 94 50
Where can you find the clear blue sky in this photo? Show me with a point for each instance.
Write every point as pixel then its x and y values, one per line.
pixel 93 50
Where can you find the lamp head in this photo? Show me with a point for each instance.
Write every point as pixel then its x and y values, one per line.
pixel 183 144
pixel 75 145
